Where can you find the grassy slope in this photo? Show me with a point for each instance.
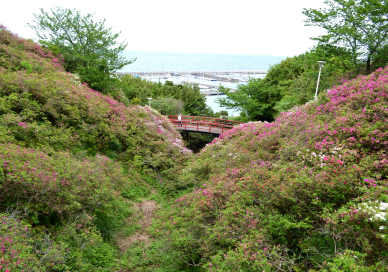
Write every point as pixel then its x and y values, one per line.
pixel 68 154
pixel 307 191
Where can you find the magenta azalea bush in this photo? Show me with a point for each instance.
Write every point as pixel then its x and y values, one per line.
pixel 47 107
pixel 308 191
pixel 24 248
pixel 57 183
pixel 16 252
pixel 68 157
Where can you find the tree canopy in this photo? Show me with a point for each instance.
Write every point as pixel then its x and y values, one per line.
pixel 355 43
pixel 89 48
pixel 137 90
pixel 289 83
pixel 360 26
pixel 258 98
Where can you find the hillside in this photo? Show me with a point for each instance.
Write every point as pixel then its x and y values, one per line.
pixel 83 176
pixel 307 191
pixel 72 161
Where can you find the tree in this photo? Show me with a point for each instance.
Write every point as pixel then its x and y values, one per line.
pixel 168 105
pixel 88 47
pixel 258 98
pixel 194 103
pixel 224 113
pixel 360 26
pixel 289 83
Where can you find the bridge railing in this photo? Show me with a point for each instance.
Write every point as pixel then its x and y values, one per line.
pixel 203 124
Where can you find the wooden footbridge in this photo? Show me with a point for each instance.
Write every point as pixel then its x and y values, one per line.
pixel 207 125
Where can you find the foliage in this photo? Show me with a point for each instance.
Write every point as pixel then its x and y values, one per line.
pixel 102 256
pixel 56 183
pixel 136 192
pixel 88 47
pixel 259 97
pixel 223 113
pixel 70 158
pixel 167 105
pixel 307 191
pixel 290 83
pixel 16 252
pixel 33 249
pixel 194 103
pixel 360 26
pixel 51 108
pixel 355 43
pixel 351 261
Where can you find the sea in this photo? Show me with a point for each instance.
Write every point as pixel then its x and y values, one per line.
pixel 190 62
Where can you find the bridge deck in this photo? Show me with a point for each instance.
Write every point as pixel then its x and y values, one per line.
pixel 200 129
pixel 208 125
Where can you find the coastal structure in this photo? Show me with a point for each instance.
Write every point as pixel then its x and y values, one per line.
pixel 207 81
pixel 222 75
pixel 197 73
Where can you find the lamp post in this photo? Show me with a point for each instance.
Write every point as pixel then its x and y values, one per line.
pixel 149 101
pixel 321 63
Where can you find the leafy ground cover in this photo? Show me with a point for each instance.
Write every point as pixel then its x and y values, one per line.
pixel 305 192
pixel 73 162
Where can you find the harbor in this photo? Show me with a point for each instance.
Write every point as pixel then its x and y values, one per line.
pixel 207 81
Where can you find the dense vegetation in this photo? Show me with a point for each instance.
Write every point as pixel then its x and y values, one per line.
pixel 307 191
pixel 71 159
pixel 292 82
pixel 167 98
pixel 356 28
pixel 355 43
pixel 94 182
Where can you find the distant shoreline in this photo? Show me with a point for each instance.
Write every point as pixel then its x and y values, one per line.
pixel 220 72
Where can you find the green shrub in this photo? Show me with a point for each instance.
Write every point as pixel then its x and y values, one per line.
pixel 27 66
pixel 136 192
pixel 350 261
pixel 102 256
pixel 16 250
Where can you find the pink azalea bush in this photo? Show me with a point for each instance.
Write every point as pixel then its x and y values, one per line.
pixel 57 182
pixel 49 107
pixel 22 249
pixel 67 155
pixel 307 191
pixel 16 252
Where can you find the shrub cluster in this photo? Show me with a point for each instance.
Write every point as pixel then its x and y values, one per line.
pixel 52 108
pixel 69 156
pixel 307 191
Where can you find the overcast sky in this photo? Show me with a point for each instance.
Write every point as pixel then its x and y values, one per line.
pixel 257 27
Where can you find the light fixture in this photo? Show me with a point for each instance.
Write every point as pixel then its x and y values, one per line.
pixel 321 64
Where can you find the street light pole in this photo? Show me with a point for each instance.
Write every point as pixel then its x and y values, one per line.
pixel 149 101
pixel 321 64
